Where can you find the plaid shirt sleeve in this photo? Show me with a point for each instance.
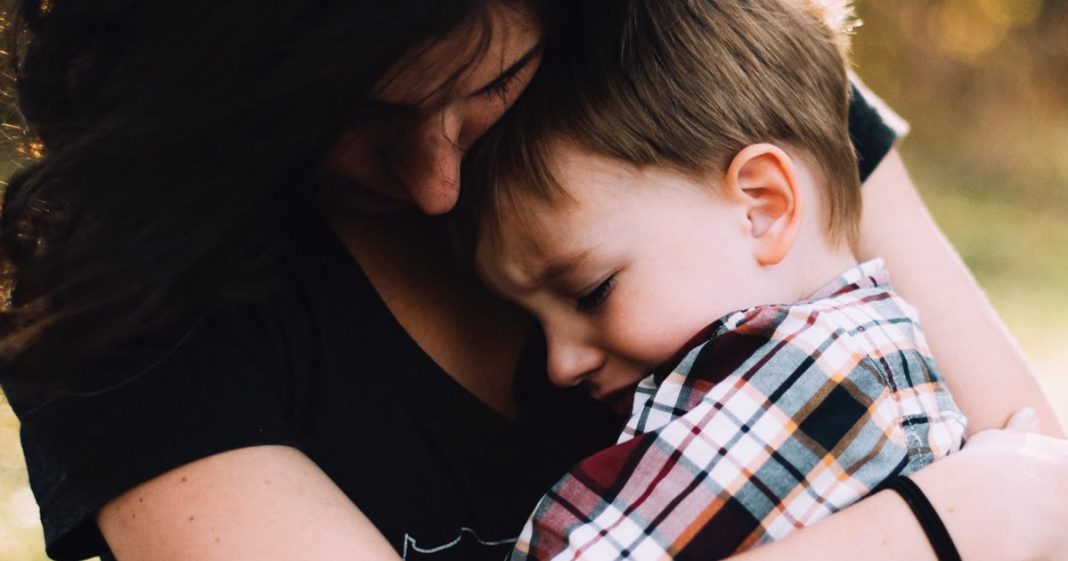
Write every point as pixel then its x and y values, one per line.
pixel 784 415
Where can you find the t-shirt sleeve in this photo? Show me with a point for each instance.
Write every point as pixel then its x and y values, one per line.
pixel 873 127
pixel 162 406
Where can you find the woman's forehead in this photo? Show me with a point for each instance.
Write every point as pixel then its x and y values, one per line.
pixel 461 63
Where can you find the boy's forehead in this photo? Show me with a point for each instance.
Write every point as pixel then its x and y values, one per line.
pixel 528 237
pixel 518 229
pixel 577 168
pixel 531 225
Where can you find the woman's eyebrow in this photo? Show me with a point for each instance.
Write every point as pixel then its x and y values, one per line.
pixel 512 70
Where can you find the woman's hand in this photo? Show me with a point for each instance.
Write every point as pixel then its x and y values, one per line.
pixel 1007 496
pixel 1004 497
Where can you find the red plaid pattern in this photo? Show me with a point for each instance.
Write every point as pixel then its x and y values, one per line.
pixel 783 415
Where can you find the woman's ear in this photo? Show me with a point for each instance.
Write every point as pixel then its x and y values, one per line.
pixel 765 177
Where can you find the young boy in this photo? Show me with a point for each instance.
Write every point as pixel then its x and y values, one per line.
pixel 699 168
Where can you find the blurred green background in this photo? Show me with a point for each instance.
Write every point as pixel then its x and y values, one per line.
pixel 984 84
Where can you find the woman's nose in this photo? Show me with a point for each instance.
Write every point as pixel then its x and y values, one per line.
pixel 570 361
pixel 433 175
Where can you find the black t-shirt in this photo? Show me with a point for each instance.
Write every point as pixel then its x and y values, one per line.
pixel 324 367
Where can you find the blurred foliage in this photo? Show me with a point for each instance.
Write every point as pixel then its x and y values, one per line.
pixel 984 84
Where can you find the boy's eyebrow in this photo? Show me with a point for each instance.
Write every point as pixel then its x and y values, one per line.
pixel 556 268
pixel 512 70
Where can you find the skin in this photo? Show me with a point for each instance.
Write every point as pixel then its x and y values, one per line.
pixel 380 169
pixel 973 347
pixel 632 264
pixel 382 209
pixel 1030 475
pixel 256 503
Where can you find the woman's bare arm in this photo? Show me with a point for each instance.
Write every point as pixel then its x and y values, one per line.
pixel 880 528
pixel 273 503
pixel 262 503
pixel 984 368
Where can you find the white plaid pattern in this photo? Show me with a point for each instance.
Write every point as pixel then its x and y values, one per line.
pixel 831 397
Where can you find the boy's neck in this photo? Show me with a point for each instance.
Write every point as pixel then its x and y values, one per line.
pixel 812 263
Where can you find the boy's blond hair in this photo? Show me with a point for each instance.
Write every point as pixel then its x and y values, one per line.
pixel 684 84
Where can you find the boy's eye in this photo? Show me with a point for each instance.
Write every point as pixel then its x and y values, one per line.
pixel 593 299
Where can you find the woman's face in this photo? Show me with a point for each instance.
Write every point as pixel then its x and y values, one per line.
pixel 428 109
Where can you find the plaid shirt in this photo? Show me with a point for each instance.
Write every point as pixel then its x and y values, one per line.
pixel 781 416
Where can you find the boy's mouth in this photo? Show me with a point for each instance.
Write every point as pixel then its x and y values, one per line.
pixel 620 401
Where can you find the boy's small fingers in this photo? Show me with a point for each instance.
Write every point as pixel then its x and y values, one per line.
pixel 1024 420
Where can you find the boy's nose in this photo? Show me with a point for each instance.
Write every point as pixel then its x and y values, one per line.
pixel 570 361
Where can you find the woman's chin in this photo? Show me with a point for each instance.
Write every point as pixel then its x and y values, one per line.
pixel 362 201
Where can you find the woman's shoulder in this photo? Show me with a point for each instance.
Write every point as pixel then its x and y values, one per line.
pixel 147 407
pixel 222 380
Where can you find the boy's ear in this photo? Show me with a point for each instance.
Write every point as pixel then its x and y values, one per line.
pixel 765 177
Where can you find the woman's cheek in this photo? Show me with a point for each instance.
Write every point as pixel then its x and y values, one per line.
pixel 353 158
pixel 478 117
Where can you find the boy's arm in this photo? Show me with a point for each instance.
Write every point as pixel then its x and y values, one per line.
pixel 984 368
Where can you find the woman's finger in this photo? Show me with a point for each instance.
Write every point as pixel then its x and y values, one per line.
pixel 1024 420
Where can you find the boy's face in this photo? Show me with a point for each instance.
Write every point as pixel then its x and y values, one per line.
pixel 624 274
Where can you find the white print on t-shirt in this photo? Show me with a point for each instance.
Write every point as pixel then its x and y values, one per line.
pixel 416 552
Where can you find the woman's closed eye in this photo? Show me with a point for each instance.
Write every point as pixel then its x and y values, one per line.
pixel 501 87
pixel 593 299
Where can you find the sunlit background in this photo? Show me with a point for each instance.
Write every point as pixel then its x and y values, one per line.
pixel 984 84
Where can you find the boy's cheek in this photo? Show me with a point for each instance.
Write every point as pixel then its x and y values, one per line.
pixel 644 342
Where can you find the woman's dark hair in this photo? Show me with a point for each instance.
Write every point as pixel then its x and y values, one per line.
pixel 179 140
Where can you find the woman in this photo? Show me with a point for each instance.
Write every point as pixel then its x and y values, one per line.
pixel 238 331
